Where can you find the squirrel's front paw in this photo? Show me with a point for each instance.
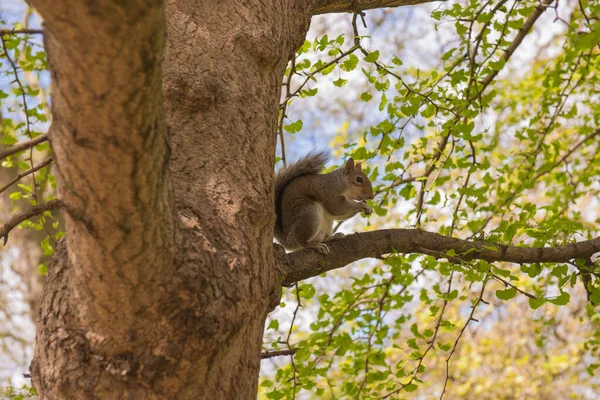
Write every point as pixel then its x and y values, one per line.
pixel 367 209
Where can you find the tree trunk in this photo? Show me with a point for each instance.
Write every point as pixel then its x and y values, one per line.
pixel 167 273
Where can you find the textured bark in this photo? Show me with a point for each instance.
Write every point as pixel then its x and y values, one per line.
pixel 164 280
pixel 101 324
pixel 224 64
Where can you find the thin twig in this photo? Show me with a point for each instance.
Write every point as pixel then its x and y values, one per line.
pixel 567 154
pixel 26 112
pixel 23 146
pixel 431 343
pixel 474 307
pixel 277 353
pixel 287 340
pixel 21 32
pixel 379 319
pixel 539 10
pixel 24 174
pixel 507 283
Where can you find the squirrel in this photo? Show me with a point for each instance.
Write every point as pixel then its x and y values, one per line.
pixel 307 202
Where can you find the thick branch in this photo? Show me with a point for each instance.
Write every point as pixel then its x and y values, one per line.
pixel 25 215
pixel 308 263
pixel 23 146
pixel 339 6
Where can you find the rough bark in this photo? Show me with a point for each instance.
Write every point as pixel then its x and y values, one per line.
pixel 224 64
pixel 161 292
pixel 101 329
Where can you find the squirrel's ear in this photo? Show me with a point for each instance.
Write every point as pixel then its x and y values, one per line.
pixel 358 167
pixel 350 164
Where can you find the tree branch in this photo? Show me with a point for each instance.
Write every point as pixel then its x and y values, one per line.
pixel 25 215
pixel 21 32
pixel 23 146
pixel 277 353
pixel 339 6
pixel 305 264
pixel 24 174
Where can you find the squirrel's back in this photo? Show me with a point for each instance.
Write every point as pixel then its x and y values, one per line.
pixel 310 164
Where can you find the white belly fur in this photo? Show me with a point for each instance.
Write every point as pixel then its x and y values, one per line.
pixel 325 225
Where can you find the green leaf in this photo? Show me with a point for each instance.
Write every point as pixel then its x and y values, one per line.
pixel 43 269
pixel 589 40
pixel 307 291
pixel 535 304
pixel 294 127
pixel 350 63
pixel 506 294
pixel 328 70
pixel 411 387
pixel 365 96
pixel 340 82
pixel 372 57
pixel 561 300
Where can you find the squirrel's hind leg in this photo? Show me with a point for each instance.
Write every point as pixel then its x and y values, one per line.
pixel 320 247
pixel 308 231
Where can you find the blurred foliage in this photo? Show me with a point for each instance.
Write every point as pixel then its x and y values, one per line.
pixel 22 393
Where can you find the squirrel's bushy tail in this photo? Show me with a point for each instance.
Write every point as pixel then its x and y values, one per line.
pixel 310 164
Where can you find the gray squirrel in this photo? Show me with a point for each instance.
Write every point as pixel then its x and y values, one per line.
pixel 307 202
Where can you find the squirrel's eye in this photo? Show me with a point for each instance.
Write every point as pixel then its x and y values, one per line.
pixel 359 179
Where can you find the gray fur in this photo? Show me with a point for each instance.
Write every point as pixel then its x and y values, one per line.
pixel 307 203
pixel 310 164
